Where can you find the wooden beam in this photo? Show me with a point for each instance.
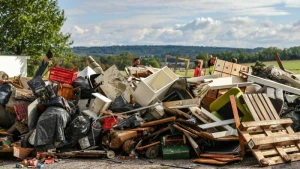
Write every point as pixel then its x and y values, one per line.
pixel 279 61
pixel 237 123
pixel 266 123
pixel 175 66
pixel 255 143
pixel 187 67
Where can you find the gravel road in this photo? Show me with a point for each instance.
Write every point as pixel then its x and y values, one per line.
pixel 90 163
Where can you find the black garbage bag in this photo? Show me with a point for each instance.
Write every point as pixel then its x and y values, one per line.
pixel 61 102
pixel 295 117
pixel 50 127
pixel 5 92
pixel 84 86
pixel 77 129
pixel 94 135
pixel 121 105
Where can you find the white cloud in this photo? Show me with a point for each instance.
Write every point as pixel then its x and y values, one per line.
pixel 78 30
pixel 199 24
pixel 240 20
pixel 292 3
pixel 233 23
pixel 97 29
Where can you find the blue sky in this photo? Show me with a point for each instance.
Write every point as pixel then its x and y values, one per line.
pixel 224 23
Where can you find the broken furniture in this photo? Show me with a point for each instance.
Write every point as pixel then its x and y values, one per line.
pixel 221 107
pixel 271 139
pixel 100 103
pixel 154 87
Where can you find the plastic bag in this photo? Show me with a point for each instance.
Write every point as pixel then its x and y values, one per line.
pixel 84 86
pixel 5 92
pixel 295 117
pixel 77 129
pixel 93 138
pixel 51 126
pixel 121 105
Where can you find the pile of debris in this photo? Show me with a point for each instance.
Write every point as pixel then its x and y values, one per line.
pixel 151 113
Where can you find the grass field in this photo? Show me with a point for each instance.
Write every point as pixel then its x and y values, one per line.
pixel 291 65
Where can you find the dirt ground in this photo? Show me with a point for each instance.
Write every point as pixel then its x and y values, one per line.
pixel 103 163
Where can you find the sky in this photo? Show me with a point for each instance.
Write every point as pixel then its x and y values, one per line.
pixel 221 23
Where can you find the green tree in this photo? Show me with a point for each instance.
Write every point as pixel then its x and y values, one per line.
pixel 31 27
pixel 151 62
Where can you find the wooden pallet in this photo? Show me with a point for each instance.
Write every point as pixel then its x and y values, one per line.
pixel 271 139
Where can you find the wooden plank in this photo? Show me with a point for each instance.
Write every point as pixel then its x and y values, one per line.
pixel 197 113
pixel 237 123
pixel 236 69
pixel 279 160
pixel 271 152
pixel 261 107
pixel 182 103
pixel 257 142
pixel 244 69
pixel 253 130
pixel 246 136
pixel 260 157
pixel 227 68
pixel 278 148
pixel 274 112
pixel 216 124
pixel 250 107
pixel 268 110
pixel 219 66
pixel 266 124
pixel 253 103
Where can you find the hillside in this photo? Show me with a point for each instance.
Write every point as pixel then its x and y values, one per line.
pixel 188 51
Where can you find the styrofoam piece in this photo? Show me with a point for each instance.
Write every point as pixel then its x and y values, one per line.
pixel 100 103
pixel 154 86
pixel 87 71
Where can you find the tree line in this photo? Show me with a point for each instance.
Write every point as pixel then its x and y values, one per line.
pixel 267 54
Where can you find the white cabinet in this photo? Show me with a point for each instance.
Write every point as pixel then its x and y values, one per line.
pixel 155 86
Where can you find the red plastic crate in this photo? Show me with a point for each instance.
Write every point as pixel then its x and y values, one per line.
pixel 62 75
pixel 108 122
pixel 21 111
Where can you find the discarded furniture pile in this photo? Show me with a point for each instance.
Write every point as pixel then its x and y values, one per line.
pixel 151 113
